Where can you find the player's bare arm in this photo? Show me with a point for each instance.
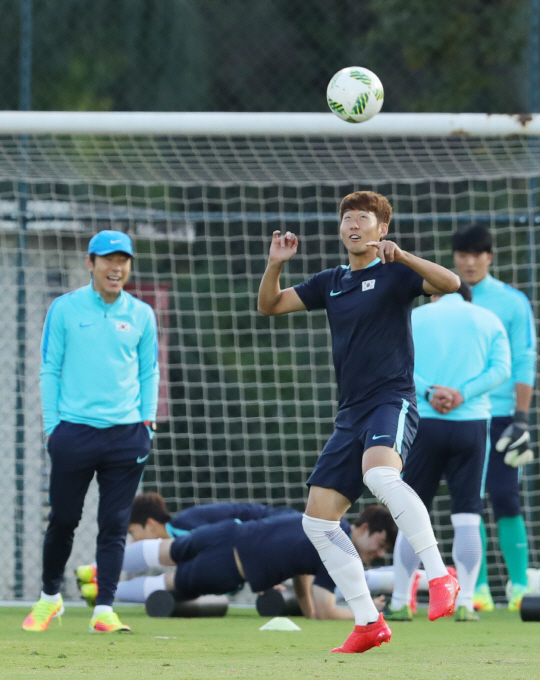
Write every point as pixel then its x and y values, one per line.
pixel 326 607
pixel 272 300
pixel 302 589
pixel 437 279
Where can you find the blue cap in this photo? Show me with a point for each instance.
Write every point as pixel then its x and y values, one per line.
pixel 107 242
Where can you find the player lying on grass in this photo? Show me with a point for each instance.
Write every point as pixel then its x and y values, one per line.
pixel 219 558
pixel 368 304
pixel 150 517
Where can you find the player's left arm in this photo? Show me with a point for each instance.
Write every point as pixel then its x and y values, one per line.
pixel 437 279
pixel 149 368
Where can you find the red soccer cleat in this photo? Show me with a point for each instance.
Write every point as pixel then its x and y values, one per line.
pixel 365 637
pixel 442 596
pixel 413 602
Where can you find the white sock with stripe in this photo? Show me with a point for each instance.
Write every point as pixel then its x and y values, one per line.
pixel 344 565
pixel 409 513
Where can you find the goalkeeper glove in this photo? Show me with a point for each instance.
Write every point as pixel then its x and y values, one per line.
pixel 514 442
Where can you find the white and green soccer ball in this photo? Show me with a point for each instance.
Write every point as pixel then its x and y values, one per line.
pixel 355 94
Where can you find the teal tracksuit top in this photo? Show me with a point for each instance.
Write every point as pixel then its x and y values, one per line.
pixel 459 345
pixel 514 310
pixel 99 361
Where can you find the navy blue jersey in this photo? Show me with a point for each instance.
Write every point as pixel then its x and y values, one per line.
pixel 369 311
pixel 210 513
pixel 275 549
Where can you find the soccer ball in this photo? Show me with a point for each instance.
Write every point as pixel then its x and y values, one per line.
pixel 355 94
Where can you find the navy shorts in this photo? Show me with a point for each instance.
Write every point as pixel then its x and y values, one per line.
pixel 205 559
pixel 453 449
pixel 339 466
pixel 503 482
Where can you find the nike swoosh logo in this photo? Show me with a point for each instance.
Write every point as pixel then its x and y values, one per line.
pixel 398 516
pixel 141 460
pixel 85 325
pixel 379 436
pixel 333 293
pixel 117 241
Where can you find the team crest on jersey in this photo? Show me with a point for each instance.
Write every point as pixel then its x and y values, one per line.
pixel 368 285
pixel 123 326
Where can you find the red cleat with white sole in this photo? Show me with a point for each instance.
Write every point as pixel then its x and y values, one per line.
pixel 442 596
pixel 365 637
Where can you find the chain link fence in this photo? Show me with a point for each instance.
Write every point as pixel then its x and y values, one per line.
pixel 268 55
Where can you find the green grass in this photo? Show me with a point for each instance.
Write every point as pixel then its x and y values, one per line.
pixel 500 646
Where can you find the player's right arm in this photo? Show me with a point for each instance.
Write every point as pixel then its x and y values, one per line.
pixel 272 300
pixel 52 357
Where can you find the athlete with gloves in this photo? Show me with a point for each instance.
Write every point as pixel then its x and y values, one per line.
pixel 510 403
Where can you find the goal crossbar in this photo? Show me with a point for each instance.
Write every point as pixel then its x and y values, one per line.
pixel 265 124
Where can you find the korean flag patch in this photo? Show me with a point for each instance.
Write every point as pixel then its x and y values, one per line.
pixel 123 326
pixel 368 285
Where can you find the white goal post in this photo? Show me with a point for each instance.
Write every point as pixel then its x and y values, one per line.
pixel 247 402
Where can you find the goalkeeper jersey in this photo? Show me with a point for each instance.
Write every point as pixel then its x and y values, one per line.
pixel 99 361
pixel 514 310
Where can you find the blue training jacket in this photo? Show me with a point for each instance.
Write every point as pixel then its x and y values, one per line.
pixel 459 345
pixel 99 361
pixel 514 310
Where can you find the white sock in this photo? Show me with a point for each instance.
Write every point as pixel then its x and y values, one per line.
pixel 138 589
pixel 380 580
pixel 101 609
pixel 50 598
pixel 467 555
pixel 141 555
pixel 409 513
pixel 344 565
pixel 406 562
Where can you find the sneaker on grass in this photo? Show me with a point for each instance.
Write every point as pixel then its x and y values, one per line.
pixel 43 612
pixel 516 595
pixel 402 614
pixel 464 614
pixel 442 596
pixel 365 637
pixel 108 622
pixel 482 600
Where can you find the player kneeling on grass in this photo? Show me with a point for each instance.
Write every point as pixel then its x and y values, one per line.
pixel 368 303
pixel 99 384
pixel 219 558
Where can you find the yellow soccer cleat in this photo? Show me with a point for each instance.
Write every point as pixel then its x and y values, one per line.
pixel 464 614
pixel 86 573
pixel 108 622
pixel 89 592
pixel 517 593
pixel 42 614
pixel 482 599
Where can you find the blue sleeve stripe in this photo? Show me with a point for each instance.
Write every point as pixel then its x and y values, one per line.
pixel 46 332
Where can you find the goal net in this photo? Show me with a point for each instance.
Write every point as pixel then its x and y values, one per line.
pixel 246 402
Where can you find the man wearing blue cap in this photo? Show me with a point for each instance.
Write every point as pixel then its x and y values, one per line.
pixel 99 383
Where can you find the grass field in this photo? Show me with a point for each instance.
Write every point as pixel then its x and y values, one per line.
pixel 500 646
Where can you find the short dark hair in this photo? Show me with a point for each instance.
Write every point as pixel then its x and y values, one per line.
pixel 368 201
pixel 378 518
pixel 475 238
pixel 149 505
pixel 465 291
